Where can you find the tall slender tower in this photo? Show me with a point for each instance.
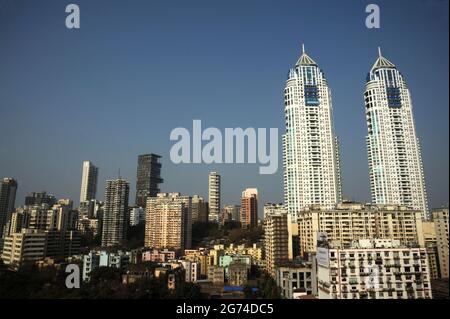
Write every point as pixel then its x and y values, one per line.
pixel 249 208
pixel 276 240
pixel 7 199
pixel 88 182
pixel 148 178
pixel 395 160
pixel 214 196
pixel 310 147
pixel 115 216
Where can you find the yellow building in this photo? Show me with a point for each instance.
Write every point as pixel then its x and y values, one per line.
pixel 25 247
pixel 353 221
pixel 440 218
pixel 429 236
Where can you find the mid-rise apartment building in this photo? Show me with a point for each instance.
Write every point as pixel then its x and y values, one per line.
pixel 352 221
pixel 373 269
pixel 276 241
pixel 25 247
pixel 296 279
pixel 440 218
pixel 96 259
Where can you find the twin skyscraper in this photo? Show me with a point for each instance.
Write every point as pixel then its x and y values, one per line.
pixel 311 149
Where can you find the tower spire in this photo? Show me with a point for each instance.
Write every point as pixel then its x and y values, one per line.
pixel 305 59
pixel 379 52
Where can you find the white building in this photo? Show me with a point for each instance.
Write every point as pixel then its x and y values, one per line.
pixel 25 247
pixel 192 270
pixel 96 259
pixel 214 196
pixel 296 280
pixel 310 147
pixel 137 216
pixel 272 208
pixel 88 182
pixel 395 161
pixel 233 211
pixel 373 269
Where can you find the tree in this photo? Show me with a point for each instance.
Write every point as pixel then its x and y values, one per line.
pixel 267 287
pixel 187 290
pixel 248 292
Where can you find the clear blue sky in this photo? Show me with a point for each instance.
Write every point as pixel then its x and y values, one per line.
pixel 137 69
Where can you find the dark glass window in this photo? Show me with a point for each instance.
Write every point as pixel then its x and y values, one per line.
pixel 393 96
pixel 311 95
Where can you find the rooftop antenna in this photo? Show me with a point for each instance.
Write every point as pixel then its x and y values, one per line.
pixel 379 52
pixel 119 174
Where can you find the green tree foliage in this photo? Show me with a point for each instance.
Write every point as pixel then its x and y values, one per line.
pixel 248 292
pixel 105 283
pixel 267 287
pixel 231 232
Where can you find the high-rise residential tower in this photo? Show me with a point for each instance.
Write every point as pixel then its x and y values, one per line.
pixel 168 221
pixel 148 178
pixel 310 146
pixel 115 215
pixel 7 200
pixel 88 182
pixel 276 240
pixel 199 210
pixel 249 208
pixel 395 161
pixel 214 196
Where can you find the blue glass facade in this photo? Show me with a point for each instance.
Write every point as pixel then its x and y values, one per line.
pixel 394 97
pixel 311 95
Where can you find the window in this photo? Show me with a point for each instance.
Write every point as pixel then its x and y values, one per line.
pixel 311 95
pixel 393 97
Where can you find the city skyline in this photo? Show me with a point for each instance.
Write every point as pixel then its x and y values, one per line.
pixel 227 150
pixel 63 180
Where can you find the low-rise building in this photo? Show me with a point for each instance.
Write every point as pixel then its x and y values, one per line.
pixel 237 274
pixel 96 259
pixel 191 270
pixel 158 255
pixel 216 274
pixel 173 274
pixel 226 260
pixel 296 280
pixel 202 258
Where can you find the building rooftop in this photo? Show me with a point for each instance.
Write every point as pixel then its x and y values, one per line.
pixel 382 62
pixel 305 59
